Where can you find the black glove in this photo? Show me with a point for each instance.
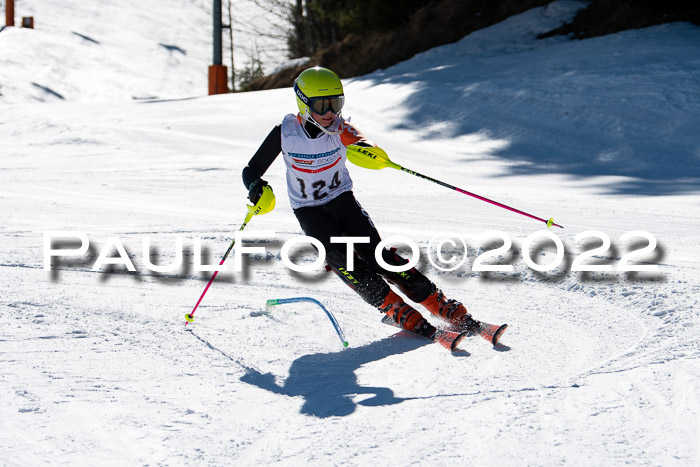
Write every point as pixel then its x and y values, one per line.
pixel 255 190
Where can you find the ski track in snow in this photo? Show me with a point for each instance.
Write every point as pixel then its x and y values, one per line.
pixel 602 369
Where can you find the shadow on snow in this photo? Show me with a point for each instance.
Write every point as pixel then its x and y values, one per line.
pixel 612 106
pixel 327 381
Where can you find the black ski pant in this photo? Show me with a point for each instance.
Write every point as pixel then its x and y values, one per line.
pixel 344 217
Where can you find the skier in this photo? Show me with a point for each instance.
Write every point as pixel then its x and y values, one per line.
pixel 313 145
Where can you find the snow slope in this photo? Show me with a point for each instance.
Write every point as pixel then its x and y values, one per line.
pixel 596 368
pixel 106 51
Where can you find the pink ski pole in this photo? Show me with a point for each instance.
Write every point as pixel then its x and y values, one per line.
pixel 376 158
pixel 190 316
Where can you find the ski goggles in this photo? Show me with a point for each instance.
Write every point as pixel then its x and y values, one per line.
pixel 321 105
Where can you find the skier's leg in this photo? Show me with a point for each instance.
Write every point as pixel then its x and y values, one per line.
pixel 362 279
pixel 375 291
pixel 412 282
pixel 422 290
pixel 345 216
pixel 320 223
pixel 355 222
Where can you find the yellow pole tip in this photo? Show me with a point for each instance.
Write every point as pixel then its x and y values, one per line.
pixel 189 318
pixel 550 222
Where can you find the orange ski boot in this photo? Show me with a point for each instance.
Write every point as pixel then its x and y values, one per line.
pixel 456 313
pixel 450 310
pixel 405 315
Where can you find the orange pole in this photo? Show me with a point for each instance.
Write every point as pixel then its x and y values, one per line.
pixel 9 12
pixel 218 79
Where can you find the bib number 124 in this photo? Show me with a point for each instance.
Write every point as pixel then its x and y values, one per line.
pixel 318 187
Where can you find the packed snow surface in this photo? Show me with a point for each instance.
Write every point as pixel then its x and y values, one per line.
pixel 597 368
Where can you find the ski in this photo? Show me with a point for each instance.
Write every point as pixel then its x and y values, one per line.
pixel 448 339
pixel 491 332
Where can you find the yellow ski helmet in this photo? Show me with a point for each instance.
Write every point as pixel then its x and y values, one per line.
pixel 318 90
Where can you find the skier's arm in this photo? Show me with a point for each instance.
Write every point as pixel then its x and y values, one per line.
pixel 352 135
pixel 260 162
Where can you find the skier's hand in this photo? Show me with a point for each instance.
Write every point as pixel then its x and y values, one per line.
pixel 255 190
